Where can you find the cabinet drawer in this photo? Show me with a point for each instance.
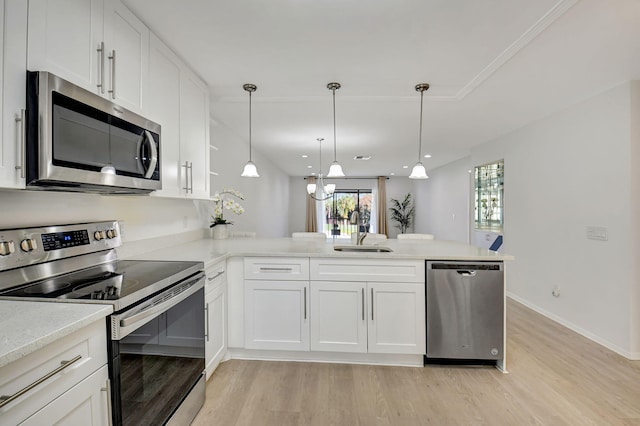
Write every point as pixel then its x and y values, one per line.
pixel 216 275
pixel 275 268
pixel 89 344
pixel 368 270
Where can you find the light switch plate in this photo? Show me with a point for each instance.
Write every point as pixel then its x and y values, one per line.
pixel 597 233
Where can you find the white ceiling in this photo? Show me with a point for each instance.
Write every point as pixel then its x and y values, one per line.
pixel 493 66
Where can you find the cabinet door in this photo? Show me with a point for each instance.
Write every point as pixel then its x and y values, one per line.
pixel 216 327
pixel 338 317
pixel 397 318
pixel 64 37
pixel 127 43
pixel 83 404
pixel 13 51
pixel 194 134
pixel 164 108
pixel 276 315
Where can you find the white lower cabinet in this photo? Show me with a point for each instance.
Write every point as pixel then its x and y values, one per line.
pixel 338 316
pixel 83 404
pixel 215 308
pixel 276 315
pixel 363 317
pixel 396 319
pixel 71 377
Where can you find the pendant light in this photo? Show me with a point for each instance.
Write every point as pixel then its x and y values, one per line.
pixel 319 191
pixel 250 169
pixel 418 171
pixel 336 169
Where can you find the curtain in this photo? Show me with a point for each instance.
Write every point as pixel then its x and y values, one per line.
pixel 382 206
pixel 311 224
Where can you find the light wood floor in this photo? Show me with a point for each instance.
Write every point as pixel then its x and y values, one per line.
pixel 556 377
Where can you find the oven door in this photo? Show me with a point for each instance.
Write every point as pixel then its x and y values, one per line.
pixel 157 356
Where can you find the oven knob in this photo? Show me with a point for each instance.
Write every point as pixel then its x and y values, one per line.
pixel 99 235
pixel 112 233
pixel 6 248
pixel 28 244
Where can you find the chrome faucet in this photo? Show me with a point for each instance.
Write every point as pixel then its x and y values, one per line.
pixel 355 219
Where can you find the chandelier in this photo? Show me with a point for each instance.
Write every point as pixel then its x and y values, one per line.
pixel 320 191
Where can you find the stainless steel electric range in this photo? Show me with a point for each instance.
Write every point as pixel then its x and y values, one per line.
pixel 156 333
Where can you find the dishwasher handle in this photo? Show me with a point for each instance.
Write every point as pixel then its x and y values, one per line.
pixel 467 273
pixel 465 267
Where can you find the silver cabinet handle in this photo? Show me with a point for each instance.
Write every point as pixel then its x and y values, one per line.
pixel 112 58
pixel 305 302
pixel 101 68
pixel 372 304
pixel 206 321
pixel 6 399
pixel 362 304
pixel 216 275
pixel 23 141
pixel 188 173
pixel 107 389
pixel 273 269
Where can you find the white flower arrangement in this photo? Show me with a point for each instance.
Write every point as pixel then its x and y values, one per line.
pixel 223 203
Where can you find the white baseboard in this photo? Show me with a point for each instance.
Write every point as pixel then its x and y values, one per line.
pixel 327 357
pixel 633 356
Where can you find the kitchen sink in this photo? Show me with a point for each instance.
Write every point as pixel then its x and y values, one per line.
pixel 363 249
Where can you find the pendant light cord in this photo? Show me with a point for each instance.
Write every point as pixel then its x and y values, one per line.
pixel 420 138
pixel 249 126
pixel 335 156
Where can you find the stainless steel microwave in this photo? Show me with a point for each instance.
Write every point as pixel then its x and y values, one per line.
pixel 79 141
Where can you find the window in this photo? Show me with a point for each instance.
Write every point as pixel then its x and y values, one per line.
pixel 338 209
pixel 489 196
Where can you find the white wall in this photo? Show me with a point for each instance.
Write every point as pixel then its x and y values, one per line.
pixel 266 198
pixel 562 174
pixel 397 187
pixel 444 201
pixel 143 216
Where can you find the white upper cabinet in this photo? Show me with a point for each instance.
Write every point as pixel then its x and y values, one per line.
pixel 96 44
pixel 127 50
pixel 13 52
pixel 179 102
pixel 194 134
pixel 164 108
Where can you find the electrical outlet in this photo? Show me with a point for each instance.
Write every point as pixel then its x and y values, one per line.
pixel 556 291
pixel 597 233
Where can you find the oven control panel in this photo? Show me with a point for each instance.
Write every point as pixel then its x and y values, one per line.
pixel 22 247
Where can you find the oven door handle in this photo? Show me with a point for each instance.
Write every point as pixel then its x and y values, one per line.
pixel 124 324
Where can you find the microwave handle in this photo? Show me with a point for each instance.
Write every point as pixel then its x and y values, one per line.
pixel 154 154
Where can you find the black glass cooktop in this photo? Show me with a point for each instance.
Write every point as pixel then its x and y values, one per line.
pixel 109 282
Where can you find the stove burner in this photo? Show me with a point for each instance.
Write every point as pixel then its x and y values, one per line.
pixel 46 287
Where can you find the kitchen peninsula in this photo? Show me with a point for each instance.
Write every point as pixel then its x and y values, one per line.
pixel 300 299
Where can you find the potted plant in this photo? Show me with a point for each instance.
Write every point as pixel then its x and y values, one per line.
pixel 403 212
pixel 218 222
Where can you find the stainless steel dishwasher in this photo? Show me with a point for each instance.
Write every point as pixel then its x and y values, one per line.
pixel 465 310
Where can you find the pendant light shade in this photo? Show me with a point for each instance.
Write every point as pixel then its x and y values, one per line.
pixel 320 191
pixel 335 170
pixel 250 169
pixel 418 171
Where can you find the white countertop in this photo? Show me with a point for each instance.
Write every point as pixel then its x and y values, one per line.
pixel 28 326
pixel 211 251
